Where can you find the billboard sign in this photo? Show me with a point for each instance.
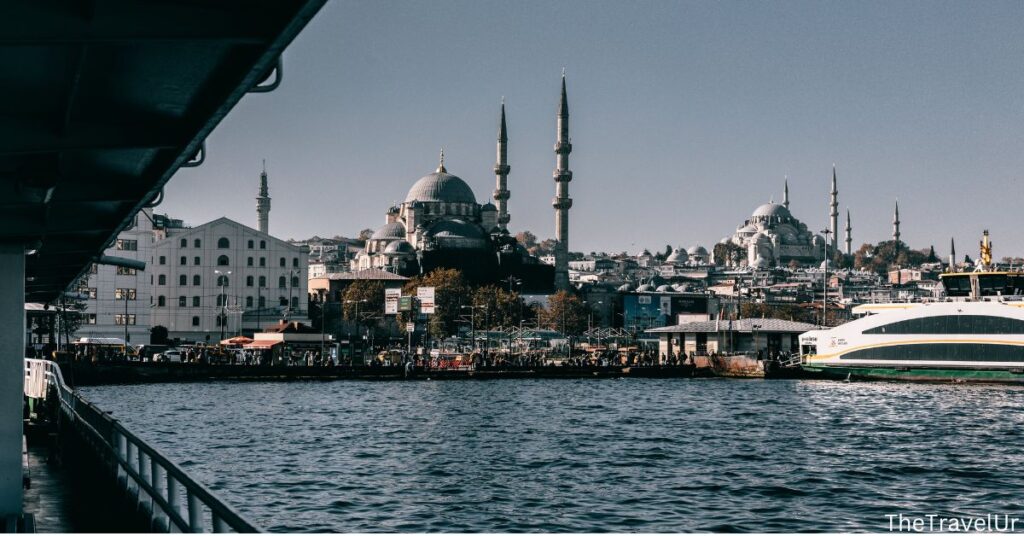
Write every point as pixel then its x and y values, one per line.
pixel 405 304
pixel 426 298
pixel 391 296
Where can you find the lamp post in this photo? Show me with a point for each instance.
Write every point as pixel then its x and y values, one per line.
pixel 323 328
pixel 222 281
pixel 357 302
pixel 287 310
pixel 755 327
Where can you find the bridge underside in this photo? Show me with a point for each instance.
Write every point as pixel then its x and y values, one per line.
pixel 101 101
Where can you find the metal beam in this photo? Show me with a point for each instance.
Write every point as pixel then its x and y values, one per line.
pixel 27 137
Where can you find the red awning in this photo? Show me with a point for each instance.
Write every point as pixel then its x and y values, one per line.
pixel 261 345
pixel 236 340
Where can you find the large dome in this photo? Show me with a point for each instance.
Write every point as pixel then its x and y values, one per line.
pixel 458 234
pixel 772 209
pixel 441 187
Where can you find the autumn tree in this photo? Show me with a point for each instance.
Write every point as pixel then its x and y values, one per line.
pixel 497 307
pixel 526 239
pixel 565 312
pixel 363 295
pixel 450 294
pixel 365 234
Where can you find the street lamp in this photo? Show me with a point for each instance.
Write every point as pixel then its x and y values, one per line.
pixel 222 281
pixel 472 323
pixel 291 275
pixel 755 327
pixel 357 302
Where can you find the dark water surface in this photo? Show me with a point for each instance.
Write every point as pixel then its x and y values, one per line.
pixel 588 455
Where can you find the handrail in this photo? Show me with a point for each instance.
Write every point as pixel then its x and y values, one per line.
pixel 156 479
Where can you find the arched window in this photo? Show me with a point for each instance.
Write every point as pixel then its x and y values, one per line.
pixel 196 261
pixel 282 301
pixel 196 281
pixel 281 282
pixel 195 320
pixel 295 302
pixel 263 281
pixel 221 300
pixel 295 280
pixel 223 260
pixel 248 301
pixel 197 243
pixel 223 243
pixel 263 244
pixel 222 281
pixel 250 244
pixel 263 261
pixel 249 261
pixel 263 301
pixel 161 279
pixel 284 262
pixel 184 242
pixel 295 262
pixel 163 259
pixel 248 280
pixel 195 301
pixel 161 301
pixel 182 301
pixel 182 279
pixel 218 321
pixel 184 260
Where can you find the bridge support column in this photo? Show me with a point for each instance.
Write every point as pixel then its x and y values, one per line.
pixel 12 375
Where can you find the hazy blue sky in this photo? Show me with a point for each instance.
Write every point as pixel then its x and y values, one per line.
pixel 685 117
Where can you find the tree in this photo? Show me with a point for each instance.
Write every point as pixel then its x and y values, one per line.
pixel 71 317
pixel 365 234
pixel 497 307
pixel 566 313
pixel 158 335
pixel 365 296
pixel 450 294
pixel 725 253
pixel 527 239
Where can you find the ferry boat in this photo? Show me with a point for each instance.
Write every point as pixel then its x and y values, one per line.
pixel 976 335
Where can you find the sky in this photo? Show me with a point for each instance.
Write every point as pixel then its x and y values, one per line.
pixel 685 116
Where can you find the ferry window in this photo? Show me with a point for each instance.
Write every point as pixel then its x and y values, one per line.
pixel 992 285
pixel 966 324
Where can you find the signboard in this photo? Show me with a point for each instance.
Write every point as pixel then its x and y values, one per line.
pixel 410 327
pixel 426 297
pixel 405 304
pixel 391 296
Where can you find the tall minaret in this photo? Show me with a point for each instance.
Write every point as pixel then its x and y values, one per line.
pixel 834 206
pixel 785 194
pixel 849 237
pixel 896 224
pixel 952 255
pixel 562 202
pixel 263 203
pixel 501 169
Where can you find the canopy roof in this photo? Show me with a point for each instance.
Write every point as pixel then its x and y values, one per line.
pixel 101 102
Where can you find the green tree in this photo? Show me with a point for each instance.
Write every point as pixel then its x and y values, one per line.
pixel 158 335
pixel 566 313
pixel 497 307
pixel 450 294
pixel 72 316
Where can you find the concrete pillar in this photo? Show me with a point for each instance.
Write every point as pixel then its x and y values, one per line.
pixel 12 374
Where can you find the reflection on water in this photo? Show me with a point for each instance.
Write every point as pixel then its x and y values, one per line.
pixel 587 455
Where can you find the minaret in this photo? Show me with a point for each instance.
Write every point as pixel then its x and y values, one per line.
pixel 263 203
pixel 785 194
pixel 501 169
pixel 952 255
pixel 849 237
pixel 896 225
pixel 562 202
pixel 834 206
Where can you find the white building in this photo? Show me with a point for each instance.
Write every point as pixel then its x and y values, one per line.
pixel 223 277
pixel 117 297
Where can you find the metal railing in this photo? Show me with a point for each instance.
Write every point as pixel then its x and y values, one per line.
pixel 171 498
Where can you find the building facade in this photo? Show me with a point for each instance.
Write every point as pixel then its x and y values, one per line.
pixel 225 278
pixel 117 298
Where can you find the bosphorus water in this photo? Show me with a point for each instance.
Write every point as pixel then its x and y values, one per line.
pixel 587 455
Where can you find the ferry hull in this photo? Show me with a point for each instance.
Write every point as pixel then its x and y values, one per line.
pixel 944 375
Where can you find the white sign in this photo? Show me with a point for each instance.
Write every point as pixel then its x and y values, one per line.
pixel 426 297
pixel 410 327
pixel 391 296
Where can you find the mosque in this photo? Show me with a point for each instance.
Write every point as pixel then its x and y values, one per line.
pixel 441 225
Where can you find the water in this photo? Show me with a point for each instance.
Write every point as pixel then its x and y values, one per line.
pixel 587 455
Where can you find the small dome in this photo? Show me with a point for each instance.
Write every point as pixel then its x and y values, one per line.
pixel 626 288
pixel 771 209
pixel 677 255
pixel 441 187
pixel 392 231
pixel 458 234
pixel 697 250
pixel 399 247
pixel 645 288
pixel 760 263
pixel 664 288
pixel 489 207
pixel 750 228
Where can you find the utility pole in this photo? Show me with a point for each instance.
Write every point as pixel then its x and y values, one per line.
pixel 222 282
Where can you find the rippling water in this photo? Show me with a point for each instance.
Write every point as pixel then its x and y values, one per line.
pixel 587 455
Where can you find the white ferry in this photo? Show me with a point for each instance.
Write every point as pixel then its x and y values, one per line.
pixel 977 335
